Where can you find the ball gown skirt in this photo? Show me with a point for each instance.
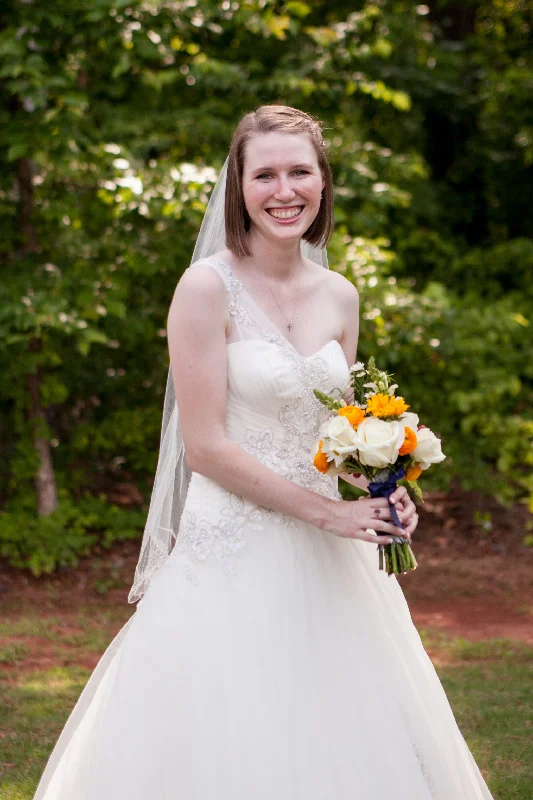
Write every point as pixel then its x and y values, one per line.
pixel 268 660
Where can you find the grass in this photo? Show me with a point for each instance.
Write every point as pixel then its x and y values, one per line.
pixel 490 688
pixel 33 712
pixel 489 685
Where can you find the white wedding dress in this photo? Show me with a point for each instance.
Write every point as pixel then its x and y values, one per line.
pixel 268 660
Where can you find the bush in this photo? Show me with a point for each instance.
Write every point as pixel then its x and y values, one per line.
pixel 74 529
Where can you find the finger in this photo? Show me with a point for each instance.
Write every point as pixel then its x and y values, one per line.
pixel 398 494
pixel 385 515
pixel 411 527
pixel 409 505
pixel 406 516
pixel 413 522
pixel 370 536
pixel 387 527
pixel 376 502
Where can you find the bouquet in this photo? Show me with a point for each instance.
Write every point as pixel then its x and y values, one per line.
pixel 377 436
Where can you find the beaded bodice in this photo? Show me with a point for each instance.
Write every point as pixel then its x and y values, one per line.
pixel 272 411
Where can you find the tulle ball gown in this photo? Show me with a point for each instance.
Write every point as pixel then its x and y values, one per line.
pixel 268 660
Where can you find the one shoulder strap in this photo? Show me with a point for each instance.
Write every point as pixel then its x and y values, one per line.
pixel 240 319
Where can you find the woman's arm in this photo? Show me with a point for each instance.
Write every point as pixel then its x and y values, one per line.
pixel 197 324
pixel 361 482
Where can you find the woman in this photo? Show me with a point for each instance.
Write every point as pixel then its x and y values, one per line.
pixel 268 657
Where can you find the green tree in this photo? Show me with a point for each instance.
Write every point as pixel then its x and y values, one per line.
pixel 116 117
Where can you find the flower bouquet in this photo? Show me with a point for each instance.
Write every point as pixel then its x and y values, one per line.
pixel 377 436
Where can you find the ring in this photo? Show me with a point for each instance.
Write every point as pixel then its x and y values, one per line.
pixel 377 512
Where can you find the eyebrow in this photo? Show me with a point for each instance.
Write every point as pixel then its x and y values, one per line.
pixel 294 166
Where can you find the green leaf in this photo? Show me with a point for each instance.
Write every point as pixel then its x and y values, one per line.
pixel 116 308
pixel 123 65
pixel 323 36
pixel 298 9
pixel 17 150
pixel 520 319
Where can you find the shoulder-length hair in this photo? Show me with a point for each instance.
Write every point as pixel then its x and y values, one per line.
pixel 266 119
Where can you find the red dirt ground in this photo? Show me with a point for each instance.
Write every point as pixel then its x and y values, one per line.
pixel 471 582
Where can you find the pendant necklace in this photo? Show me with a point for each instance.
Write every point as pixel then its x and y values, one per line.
pixel 289 324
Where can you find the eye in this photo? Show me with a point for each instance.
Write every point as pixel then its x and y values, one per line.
pixel 296 171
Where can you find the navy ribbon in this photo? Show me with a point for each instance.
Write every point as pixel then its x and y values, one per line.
pixel 385 489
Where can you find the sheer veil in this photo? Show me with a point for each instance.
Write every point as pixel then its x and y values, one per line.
pixel 173 474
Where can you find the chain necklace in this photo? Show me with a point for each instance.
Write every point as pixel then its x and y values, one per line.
pixel 289 324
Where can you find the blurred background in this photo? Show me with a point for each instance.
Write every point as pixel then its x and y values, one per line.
pixel 115 120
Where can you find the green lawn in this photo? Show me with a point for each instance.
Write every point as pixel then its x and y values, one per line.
pixel 489 684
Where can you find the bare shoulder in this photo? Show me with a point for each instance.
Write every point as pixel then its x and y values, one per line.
pixel 200 279
pixel 342 290
pixel 199 285
pixel 200 292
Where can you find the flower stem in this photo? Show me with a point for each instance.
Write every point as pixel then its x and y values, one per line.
pixel 394 558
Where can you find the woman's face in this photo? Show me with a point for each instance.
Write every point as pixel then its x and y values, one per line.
pixel 281 184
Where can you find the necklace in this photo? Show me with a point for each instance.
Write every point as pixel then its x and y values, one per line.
pixel 289 324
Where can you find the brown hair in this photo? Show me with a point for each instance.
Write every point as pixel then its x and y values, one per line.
pixel 266 119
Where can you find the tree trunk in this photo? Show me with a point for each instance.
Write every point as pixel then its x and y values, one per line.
pixel 45 482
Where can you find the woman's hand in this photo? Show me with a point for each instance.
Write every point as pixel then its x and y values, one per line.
pixel 405 509
pixel 353 520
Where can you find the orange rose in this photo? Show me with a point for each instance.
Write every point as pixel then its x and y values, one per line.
pixel 409 443
pixel 321 460
pixel 353 414
pixel 413 473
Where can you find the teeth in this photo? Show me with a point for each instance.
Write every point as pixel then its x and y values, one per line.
pixel 284 214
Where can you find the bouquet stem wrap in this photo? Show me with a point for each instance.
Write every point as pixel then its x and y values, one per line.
pixel 397 557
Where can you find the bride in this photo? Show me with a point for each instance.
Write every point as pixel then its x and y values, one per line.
pixel 268 657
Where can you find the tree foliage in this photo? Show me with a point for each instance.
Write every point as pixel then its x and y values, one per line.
pixel 116 117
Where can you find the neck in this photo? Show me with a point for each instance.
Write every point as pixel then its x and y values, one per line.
pixel 279 261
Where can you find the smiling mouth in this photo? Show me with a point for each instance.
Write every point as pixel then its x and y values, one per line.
pixel 285 213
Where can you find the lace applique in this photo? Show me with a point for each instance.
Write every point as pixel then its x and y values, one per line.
pixel 301 419
pixel 297 468
pixel 199 539
pixel 234 286
pixel 424 770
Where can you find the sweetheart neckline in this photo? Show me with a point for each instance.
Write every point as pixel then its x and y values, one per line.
pixel 279 333
pixel 304 358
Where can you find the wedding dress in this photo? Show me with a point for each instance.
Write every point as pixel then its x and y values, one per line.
pixel 268 660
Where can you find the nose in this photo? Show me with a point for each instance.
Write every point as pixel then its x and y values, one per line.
pixel 284 191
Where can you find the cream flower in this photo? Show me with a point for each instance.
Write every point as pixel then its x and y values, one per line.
pixel 409 420
pixel 338 439
pixel 428 450
pixel 378 442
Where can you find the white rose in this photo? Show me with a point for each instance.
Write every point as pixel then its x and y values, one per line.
pixel 428 450
pixel 409 420
pixel 338 439
pixel 378 442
